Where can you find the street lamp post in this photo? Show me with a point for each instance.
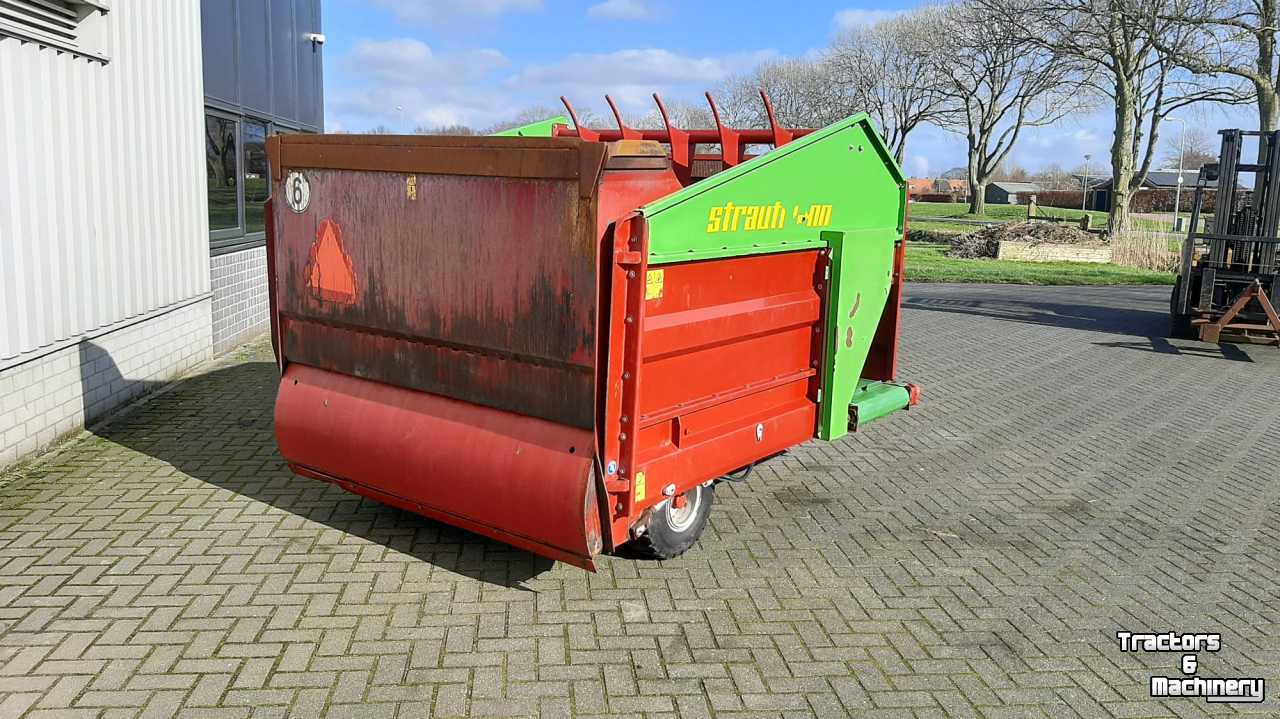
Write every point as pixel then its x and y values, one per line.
pixel 1084 184
pixel 1182 154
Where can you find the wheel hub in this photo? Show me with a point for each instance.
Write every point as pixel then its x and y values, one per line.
pixel 680 518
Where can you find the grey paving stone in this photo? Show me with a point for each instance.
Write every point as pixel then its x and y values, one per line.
pixel 1069 473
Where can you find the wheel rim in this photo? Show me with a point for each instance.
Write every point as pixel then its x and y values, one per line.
pixel 680 520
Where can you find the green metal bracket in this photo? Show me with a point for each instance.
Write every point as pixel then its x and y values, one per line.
pixel 873 400
pixel 541 128
pixel 861 274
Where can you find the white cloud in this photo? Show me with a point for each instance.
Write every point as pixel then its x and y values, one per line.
pixel 919 165
pixel 621 10
pixel 409 61
pixel 632 76
pixel 653 66
pixel 478 87
pixel 859 17
pixel 434 12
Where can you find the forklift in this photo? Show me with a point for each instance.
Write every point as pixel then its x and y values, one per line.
pixel 1229 278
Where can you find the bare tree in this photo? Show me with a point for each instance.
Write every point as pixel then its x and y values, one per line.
pixel 454 129
pixel 1235 38
pixel 1124 63
pixel 1191 149
pixel 1001 84
pixel 888 71
pixel 800 89
pixel 684 115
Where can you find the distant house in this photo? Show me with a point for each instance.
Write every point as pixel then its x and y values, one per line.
pixel 1100 193
pixel 1010 193
pixel 951 186
pixel 917 186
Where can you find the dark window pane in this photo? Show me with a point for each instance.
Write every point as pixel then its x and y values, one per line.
pixel 256 183
pixel 218 43
pixel 220 161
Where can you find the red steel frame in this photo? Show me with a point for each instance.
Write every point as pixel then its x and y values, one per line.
pixel 683 143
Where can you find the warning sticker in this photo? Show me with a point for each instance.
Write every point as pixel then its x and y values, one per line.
pixel 640 476
pixel 653 284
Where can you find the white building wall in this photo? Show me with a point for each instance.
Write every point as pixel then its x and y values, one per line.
pixel 103 219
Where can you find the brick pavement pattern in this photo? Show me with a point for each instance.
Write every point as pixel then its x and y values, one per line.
pixel 1070 473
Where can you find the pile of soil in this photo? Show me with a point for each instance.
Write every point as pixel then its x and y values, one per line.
pixel 986 241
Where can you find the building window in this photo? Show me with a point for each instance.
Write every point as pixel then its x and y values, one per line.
pixel 76 26
pixel 224 179
pixel 257 185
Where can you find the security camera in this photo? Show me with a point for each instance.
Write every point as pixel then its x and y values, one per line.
pixel 315 37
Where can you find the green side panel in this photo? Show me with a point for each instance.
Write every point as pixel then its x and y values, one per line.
pixel 861 275
pixel 873 400
pixel 541 128
pixel 840 178
pixel 837 188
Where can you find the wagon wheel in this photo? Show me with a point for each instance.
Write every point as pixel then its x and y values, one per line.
pixel 676 524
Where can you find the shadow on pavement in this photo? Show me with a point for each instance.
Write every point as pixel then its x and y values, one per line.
pixel 217 427
pixel 1094 318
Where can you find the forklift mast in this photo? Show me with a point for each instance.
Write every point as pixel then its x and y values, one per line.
pixel 1236 260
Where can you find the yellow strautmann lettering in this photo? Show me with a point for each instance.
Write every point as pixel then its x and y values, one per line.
pixel 752 218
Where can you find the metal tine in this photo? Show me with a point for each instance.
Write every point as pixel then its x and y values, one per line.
pixel 585 133
pixel 730 150
pixel 626 132
pixel 682 150
pixel 780 135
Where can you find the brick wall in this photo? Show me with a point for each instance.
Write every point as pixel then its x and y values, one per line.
pixel 57 392
pixel 239 284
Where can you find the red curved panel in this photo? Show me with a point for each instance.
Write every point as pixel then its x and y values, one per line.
pixel 521 480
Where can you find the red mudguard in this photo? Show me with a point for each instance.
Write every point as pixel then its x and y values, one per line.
pixel 518 479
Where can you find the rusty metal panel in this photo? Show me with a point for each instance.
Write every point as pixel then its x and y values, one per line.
pixel 479 288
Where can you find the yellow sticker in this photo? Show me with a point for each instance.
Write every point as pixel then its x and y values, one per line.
pixel 640 482
pixel 411 187
pixel 653 284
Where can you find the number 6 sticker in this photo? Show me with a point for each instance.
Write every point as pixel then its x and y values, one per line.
pixel 297 192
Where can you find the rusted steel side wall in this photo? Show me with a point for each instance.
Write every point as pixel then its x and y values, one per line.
pixel 477 288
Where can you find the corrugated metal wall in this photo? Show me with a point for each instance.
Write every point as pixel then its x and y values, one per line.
pixel 102 192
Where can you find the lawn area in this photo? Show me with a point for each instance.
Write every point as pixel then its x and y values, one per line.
pixel 928 262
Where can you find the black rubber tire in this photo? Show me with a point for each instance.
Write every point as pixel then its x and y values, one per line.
pixel 670 535
pixel 1179 325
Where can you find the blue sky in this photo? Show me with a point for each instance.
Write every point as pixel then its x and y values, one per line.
pixel 405 63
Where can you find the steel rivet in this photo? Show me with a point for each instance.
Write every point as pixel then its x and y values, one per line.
pixel 813 363
pixel 626 375
pixel 631 275
pixel 630 319
pixel 819 285
pixel 622 436
pixel 669 490
pixel 624 419
pixel 759 432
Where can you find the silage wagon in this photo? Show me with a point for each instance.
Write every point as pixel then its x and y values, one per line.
pixel 563 342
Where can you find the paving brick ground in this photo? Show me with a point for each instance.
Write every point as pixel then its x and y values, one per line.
pixel 1070 474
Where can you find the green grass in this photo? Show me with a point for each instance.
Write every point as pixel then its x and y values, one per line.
pixel 928 262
